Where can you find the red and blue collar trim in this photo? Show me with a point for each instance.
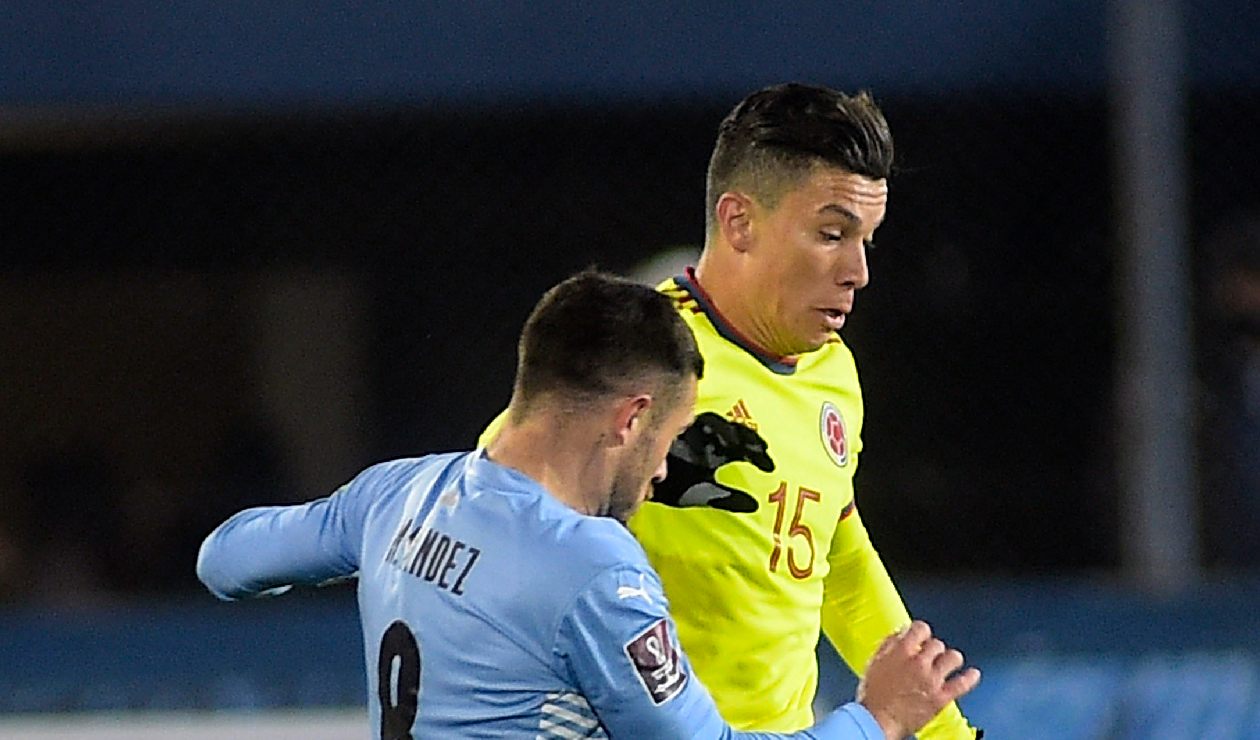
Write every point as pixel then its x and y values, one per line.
pixel 775 363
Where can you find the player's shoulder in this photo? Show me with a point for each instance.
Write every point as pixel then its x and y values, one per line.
pixel 562 555
pixel 604 564
pixel 713 345
pixel 402 467
pixel 835 350
pixel 684 300
pixel 833 360
pixel 671 286
pixel 400 473
pixel 590 544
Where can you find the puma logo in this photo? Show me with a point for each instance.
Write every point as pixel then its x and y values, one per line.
pixel 627 592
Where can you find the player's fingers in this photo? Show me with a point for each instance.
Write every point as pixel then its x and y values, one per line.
pixel 932 649
pixel 961 683
pixel 947 662
pixel 915 635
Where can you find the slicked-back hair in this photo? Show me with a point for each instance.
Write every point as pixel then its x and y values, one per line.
pixel 772 139
pixel 596 335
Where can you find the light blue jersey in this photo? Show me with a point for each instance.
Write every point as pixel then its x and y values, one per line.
pixel 489 608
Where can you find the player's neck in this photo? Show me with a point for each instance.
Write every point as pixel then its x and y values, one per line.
pixel 718 277
pixel 562 456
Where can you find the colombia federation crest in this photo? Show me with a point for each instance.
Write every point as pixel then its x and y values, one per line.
pixel 835 437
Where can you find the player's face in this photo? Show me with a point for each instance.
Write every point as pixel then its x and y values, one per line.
pixel 810 253
pixel 644 462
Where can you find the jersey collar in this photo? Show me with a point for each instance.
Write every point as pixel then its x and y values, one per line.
pixel 775 363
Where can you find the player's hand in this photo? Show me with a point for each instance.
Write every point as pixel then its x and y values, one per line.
pixel 708 444
pixel 912 677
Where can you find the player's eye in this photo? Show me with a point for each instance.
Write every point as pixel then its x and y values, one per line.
pixel 832 236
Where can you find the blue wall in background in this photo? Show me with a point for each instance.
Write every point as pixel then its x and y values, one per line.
pixel 1081 659
pixel 231 54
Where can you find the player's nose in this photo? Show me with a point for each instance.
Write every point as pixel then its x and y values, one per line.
pixel 852 269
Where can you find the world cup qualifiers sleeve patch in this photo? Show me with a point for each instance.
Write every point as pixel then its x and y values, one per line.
pixel 653 656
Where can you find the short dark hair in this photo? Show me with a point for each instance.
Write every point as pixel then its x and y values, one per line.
pixel 776 135
pixel 597 334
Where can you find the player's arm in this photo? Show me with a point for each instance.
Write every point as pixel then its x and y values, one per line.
pixel 861 607
pixel 618 645
pixel 268 549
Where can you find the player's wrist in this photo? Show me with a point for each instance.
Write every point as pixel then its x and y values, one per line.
pixel 891 728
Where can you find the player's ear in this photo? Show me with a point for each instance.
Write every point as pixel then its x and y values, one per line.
pixel 630 416
pixel 734 219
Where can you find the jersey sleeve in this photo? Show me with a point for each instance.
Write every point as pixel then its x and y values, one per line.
pixel 618 645
pixel 861 607
pixel 269 549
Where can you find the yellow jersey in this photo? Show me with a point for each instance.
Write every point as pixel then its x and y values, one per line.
pixel 751 592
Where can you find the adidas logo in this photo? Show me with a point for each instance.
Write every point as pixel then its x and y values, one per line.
pixel 740 415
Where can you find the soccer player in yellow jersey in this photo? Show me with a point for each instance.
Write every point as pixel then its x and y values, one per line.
pixel 755 532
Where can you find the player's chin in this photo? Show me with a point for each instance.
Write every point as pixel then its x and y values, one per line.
pixel 644 498
pixel 814 340
pixel 624 514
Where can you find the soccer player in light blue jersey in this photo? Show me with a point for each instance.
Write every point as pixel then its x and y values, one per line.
pixel 501 594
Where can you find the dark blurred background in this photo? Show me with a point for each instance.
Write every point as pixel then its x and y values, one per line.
pixel 246 250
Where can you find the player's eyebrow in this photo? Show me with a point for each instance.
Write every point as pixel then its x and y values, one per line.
pixel 844 213
pixel 841 211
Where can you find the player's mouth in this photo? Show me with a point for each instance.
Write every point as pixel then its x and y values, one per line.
pixel 833 317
